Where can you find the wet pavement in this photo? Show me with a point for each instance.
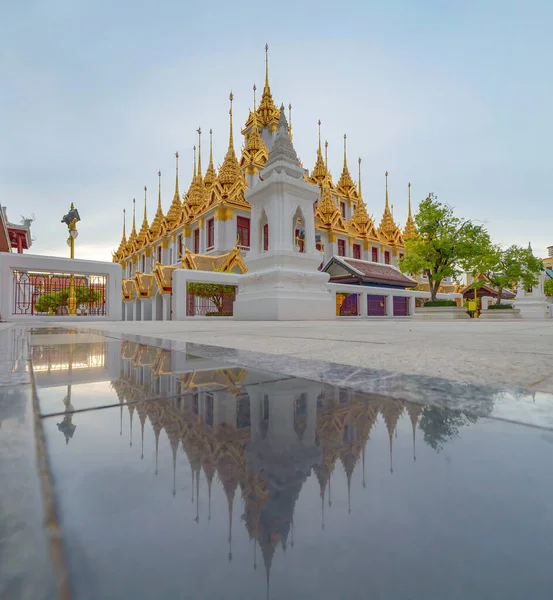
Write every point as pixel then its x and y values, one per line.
pixel 187 475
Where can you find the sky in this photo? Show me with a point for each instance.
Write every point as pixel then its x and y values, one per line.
pixel 455 98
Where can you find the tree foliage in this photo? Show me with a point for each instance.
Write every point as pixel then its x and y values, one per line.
pixel 548 287
pixel 507 267
pixel 215 292
pixel 439 425
pixel 446 245
pixel 54 300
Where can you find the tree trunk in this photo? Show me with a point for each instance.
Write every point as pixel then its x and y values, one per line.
pixel 434 285
pixel 498 301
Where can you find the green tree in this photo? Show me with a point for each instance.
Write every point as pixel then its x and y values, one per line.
pixel 548 287
pixel 505 267
pixel 446 245
pixel 439 425
pixel 216 292
pixel 54 300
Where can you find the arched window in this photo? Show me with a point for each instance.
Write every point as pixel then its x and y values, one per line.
pixel 298 230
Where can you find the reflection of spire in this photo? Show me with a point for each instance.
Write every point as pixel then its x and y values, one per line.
pixel 197 519
pixel 323 510
pixel 121 421
pixel 255 554
pixel 174 469
pixel 230 502
pixel 364 484
pixel 390 435
pixel 349 494
pixel 329 492
pixel 157 447
pixel 131 410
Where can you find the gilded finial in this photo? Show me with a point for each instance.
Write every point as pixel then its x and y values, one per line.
pixel 134 215
pixel 290 120
pixel 72 206
pixel 124 224
pixel 359 180
pixel 267 66
pixel 194 174
pixel 177 174
pixel 254 103
pixel 319 124
pixel 386 174
pixel 345 159
pixel 231 137
pixel 145 190
pixel 326 155
pixel 409 197
pixel 199 132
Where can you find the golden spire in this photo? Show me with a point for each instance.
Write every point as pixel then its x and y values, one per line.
pixel 124 237
pixel 410 227
pixel 145 228
pixel 387 227
pixel 360 220
pixel 346 182
pixel 199 132
pixel 255 154
pixel 230 171
pixel 194 172
pixel 290 120
pixel 326 155
pixel 174 211
pixel 267 113
pixel 320 172
pixel 210 174
pixel 328 212
pixel 359 179
pixel 157 223
pixel 133 232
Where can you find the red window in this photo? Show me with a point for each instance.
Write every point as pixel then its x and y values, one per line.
pixel 343 209
pixel 196 241
pixel 243 231
pixel 375 254
pixel 356 251
pixel 387 257
pixel 211 233
pixel 159 254
pixel 179 245
pixel 265 237
pixel 341 247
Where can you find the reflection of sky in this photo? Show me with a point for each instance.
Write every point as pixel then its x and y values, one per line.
pixel 83 395
pixel 453 97
pixel 461 520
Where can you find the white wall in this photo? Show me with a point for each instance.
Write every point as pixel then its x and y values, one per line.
pixel 52 264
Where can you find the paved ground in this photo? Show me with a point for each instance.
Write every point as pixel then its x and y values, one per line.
pixel 515 354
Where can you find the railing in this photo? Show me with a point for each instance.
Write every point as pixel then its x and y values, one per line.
pixel 38 293
pixel 209 299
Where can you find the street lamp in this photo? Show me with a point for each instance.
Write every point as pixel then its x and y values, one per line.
pixel 71 219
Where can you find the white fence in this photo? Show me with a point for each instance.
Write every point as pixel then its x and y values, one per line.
pixel 379 302
pixel 24 278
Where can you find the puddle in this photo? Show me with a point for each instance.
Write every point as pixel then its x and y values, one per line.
pixel 244 484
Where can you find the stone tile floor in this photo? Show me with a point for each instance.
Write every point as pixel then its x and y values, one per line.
pixel 167 467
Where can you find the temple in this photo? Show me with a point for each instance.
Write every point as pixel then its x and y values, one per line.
pixel 13 236
pixel 211 227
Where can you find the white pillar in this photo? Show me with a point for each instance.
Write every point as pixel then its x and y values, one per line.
pixel 389 305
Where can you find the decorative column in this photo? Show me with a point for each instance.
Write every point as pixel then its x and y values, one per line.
pixel 282 283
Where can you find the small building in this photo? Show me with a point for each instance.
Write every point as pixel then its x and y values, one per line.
pixel 352 271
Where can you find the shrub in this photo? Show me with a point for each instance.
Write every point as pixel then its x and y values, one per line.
pixel 548 287
pixel 500 306
pixel 439 303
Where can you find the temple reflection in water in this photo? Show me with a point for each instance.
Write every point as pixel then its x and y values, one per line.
pixel 259 435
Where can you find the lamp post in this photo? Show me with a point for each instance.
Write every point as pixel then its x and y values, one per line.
pixel 71 219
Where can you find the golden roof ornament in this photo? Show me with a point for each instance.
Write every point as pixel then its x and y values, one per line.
pixel 173 214
pixel 361 222
pixel 410 230
pixel 345 184
pixel 157 224
pixel 196 196
pixel 267 113
pixel 320 172
pixel 132 237
pixel 327 212
pixel 210 174
pixel 255 154
pixel 120 253
pixel 230 173
pixel 143 235
pixel 388 229
pixel 290 120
